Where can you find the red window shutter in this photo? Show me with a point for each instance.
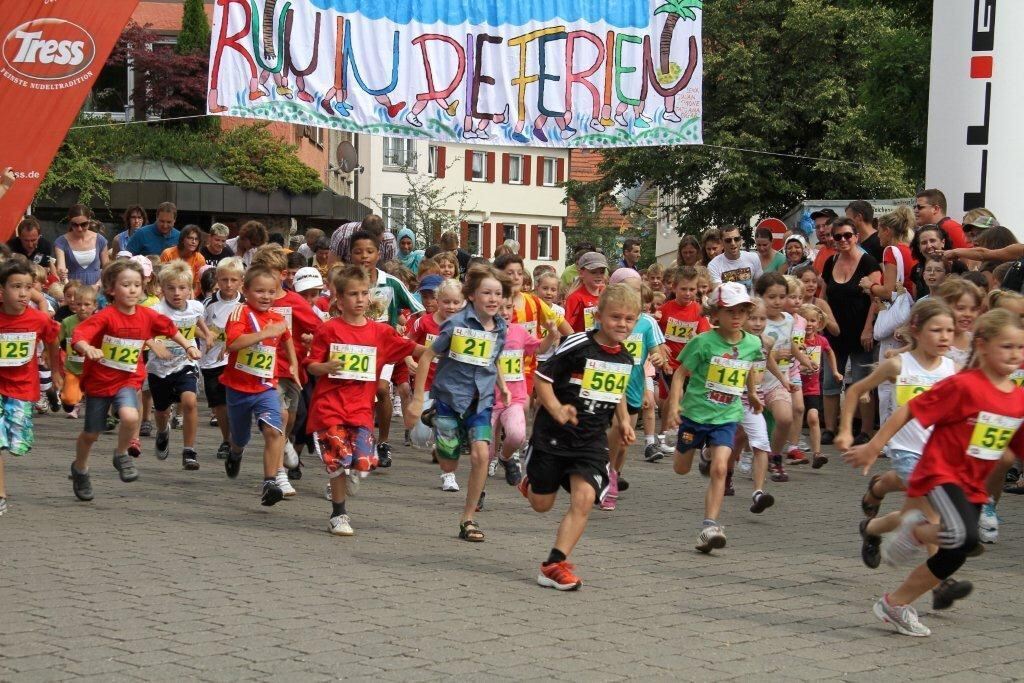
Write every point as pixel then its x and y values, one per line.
pixel 534 238
pixel 504 168
pixel 464 233
pixel 554 242
pixel 485 248
pixel 440 162
pixel 560 174
pixel 526 169
pixel 499 236
pixel 540 171
pixel 490 167
pixel 522 240
pixel 469 164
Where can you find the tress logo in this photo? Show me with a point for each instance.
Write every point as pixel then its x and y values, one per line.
pixel 48 50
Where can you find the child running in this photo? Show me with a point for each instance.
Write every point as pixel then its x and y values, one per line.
pixel 83 305
pixel 176 380
pixel 579 390
pixel 346 356
pixel 254 335
pixel 467 349
pixel 111 342
pixel 21 329
pixel 816 347
pixel 581 304
pixel 976 415
pixel 719 365
pixel 217 309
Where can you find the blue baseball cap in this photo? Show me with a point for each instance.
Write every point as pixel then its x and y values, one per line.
pixel 430 283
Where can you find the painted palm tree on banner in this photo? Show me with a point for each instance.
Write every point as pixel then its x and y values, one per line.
pixel 676 10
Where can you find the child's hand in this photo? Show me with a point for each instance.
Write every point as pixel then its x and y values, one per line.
pixel 755 404
pixel 628 434
pixel 92 353
pixel 274 330
pixel 413 411
pixel 863 456
pixel 838 376
pixel 193 353
pixel 671 420
pixel 210 339
pixel 58 381
pixel 789 386
pixel 295 376
pixel 843 440
pixel 506 395
pixel 411 364
pixel 565 414
pixel 307 339
pixel 815 368
pixel 160 351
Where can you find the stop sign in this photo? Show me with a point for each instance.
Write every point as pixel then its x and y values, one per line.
pixel 778 229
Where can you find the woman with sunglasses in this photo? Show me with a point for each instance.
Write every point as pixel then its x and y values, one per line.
pixel 843 274
pixel 81 252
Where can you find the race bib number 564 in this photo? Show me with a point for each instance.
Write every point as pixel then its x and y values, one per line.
pixel 605 382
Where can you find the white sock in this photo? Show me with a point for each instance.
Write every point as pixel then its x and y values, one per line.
pixel 650 439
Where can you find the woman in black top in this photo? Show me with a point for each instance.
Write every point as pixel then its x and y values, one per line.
pixel 842 274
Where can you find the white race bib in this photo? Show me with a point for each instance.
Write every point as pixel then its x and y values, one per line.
pixel 16 348
pixel 257 360
pixel 680 330
pixel 511 363
pixel 286 313
pixel 728 375
pixel 475 347
pixel 121 354
pixel 604 382
pixel 991 435
pixel 357 362
pixel 634 345
pixel 589 318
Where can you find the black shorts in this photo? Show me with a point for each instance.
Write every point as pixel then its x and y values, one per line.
pixel 814 403
pixel 633 410
pixel 547 473
pixel 167 391
pixel 215 394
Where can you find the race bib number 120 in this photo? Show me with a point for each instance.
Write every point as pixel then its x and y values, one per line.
pixel 357 362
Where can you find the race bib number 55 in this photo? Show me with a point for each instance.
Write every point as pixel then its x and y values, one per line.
pixel 605 382
pixel 16 348
pixel 472 346
pixel 991 435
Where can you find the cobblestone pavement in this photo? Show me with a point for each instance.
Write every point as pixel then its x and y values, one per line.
pixel 182 575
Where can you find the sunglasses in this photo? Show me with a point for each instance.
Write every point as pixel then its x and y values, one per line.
pixel 732 240
pixel 845 236
pixel 920 207
pixel 79 224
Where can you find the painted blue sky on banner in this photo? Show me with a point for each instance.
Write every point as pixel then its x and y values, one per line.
pixel 619 13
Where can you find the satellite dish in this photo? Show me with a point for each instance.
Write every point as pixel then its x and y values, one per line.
pixel 348 157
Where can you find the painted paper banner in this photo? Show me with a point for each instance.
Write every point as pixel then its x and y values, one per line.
pixel 556 73
pixel 51 54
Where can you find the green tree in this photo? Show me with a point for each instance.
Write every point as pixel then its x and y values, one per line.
pixel 795 77
pixel 195 30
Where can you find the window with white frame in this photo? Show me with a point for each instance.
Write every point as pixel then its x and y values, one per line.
pixel 474 239
pixel 479 166
pixel 432 160
pixel 315 134
pixel 397 212
pixel 550 171
pixel 399 153
pixel 111 94
pixel 515 169
pixel 510 231
pixel 544 241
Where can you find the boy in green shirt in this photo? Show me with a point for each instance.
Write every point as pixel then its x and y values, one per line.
pixel 718 364
pixel 71 394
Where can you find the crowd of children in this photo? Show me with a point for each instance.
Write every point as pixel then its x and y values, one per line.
pixel 318 356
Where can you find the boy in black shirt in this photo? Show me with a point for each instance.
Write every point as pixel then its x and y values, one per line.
pixel 579 389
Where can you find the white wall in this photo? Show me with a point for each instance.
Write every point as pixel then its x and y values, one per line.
pixel 493 203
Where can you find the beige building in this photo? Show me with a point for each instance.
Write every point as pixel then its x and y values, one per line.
pixel 501 192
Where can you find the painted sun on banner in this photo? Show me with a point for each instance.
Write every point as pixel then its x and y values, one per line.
pixel 556 73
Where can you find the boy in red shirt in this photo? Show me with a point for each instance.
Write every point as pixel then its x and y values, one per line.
pixel 347 354
pixel 111 342
pixel 581 305
pixel 254 335
pixel 21 328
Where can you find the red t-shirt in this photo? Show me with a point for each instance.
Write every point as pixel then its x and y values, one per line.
pixel 581 309
pixel 19 363
pixel 955 232
pixel 338 401
pixel 252 370
pixel 816 347
pixel 908 264
pixel 974 423
pixel 423 330
pixel 301 320
pixel 120 336
pixel 680 324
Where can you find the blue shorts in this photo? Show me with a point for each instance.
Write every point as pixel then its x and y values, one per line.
pixel 451 430
pixel 693 435
pixel 903 462
pixel 97 407
pixel 16 431
pixel 265 406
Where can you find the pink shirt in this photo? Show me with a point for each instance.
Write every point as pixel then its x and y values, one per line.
pixel 519 345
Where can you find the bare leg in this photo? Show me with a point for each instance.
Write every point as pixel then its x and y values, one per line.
pixel 190 419
pixel 273 451
pixel 477 478
pixel 716 487
pixel 581 501
pixel 222 422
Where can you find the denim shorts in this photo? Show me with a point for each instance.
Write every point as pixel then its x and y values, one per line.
pixel 97 407
pixel 451 430
pixel 266 406
pixel 693 435
pixel 903 462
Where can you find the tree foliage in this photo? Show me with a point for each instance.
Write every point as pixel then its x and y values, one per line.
pixel 195 30
pixel 843 80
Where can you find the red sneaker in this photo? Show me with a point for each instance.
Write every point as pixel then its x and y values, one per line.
pixel 559 576
pixel 796 457
pixel 524 486
pixel 135 448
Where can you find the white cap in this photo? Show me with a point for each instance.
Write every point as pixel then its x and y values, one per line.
pixel 729 294
pixel 307 278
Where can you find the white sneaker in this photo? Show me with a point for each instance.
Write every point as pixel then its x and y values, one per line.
pixel 282 483
pixel 711 538
pixel 988 523
pixel 413 120
pixel 667 443
pixel 448 482
pixel 291 456
pixel 902 617
pixel 803 445
pixel 746 462
pixel 340 526
pixel 492 467
pixel 901 548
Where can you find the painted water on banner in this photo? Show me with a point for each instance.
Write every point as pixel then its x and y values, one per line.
pixel 556 73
